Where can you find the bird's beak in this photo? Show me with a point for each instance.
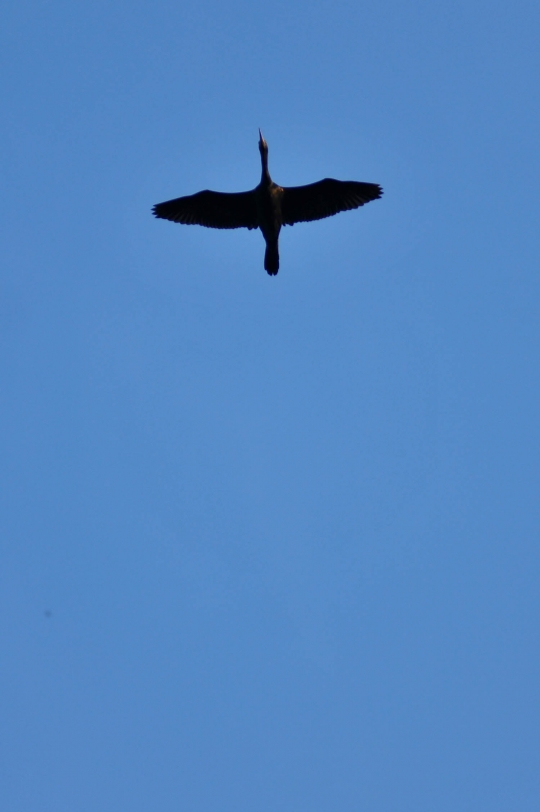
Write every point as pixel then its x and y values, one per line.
pixel 261 137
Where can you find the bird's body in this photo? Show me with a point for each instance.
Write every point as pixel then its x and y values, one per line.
pixel 268 206
pixel 268 196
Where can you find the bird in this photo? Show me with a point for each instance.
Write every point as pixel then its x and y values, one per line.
pixel 268 206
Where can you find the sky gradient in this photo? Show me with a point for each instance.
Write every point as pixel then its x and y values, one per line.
pixel 269 543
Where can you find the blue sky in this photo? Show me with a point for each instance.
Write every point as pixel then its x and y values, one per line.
pixel 269 543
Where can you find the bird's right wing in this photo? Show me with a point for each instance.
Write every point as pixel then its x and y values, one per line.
pixel 211 209
pixel 325 198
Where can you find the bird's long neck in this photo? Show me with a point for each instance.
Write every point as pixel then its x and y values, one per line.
pixel 265 174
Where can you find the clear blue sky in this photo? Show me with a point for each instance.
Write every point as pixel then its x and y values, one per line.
pixel 269 544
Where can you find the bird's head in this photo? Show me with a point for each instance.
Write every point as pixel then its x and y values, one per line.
pixel 263 146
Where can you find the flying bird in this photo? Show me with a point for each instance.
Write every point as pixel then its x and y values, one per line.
pixel 268 206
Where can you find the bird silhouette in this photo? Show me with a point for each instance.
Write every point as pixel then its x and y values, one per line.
pixel 268 206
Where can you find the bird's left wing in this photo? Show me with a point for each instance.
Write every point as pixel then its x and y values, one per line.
pixel 325 198
pixel 211 209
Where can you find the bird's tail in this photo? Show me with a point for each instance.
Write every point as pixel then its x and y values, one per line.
pixel 271 258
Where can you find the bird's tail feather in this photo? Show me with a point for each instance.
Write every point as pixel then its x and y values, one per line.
pixel 271 259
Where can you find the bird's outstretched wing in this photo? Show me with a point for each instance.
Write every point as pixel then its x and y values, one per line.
pixel 325 198
pixel 211 209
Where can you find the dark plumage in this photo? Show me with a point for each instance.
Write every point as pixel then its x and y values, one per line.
pixel 268 206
